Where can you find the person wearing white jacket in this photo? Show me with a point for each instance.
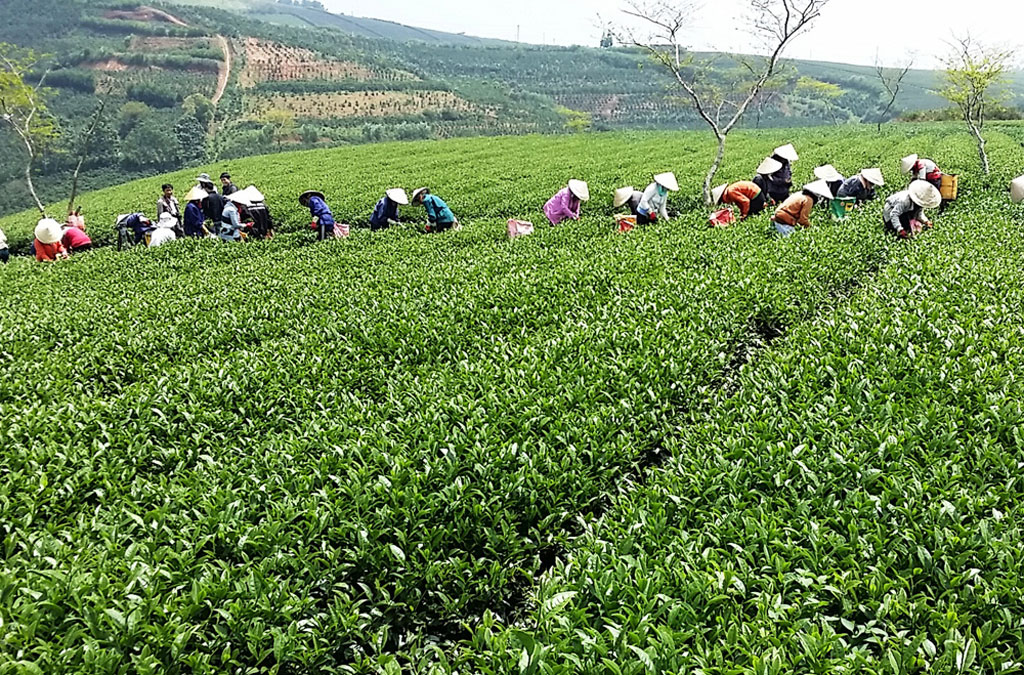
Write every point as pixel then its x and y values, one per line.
pixel 5 253
pixel 164 231
pixel 654 203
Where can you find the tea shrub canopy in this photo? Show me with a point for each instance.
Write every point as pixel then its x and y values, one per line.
pixel 673 450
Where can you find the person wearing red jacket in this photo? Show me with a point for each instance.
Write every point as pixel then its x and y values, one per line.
pixel 745 195
pixel 47 245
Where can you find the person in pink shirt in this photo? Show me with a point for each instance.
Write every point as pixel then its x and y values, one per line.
pixel 76 219
pixel 75 240
pixel 568 203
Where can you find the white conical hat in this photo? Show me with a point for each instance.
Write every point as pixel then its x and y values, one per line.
pixel 925 194
pixel 787 152
pixel 253 195
pixel 874 176
pixel 908 162
pixel 716 194
pixel 48 231
pixel 167 221
pixel 398 196
pixel 196 194
pixel 1017 190
pixel 580 189
pixel 668 181
pixel 769 166
pixel 240 197
pixel 820 188
pixel 623 195
pixel 828 173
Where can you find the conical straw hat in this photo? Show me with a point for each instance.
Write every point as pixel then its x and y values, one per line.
pixel 668 181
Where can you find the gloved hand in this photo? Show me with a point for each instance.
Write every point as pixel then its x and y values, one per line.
pixel 313 225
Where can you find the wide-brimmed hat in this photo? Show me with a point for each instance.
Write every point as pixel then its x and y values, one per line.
pixel 253 195
pixel 240 198
pixel 48 231
pixel 580 189
pixel 718 192
pixel 925 195
pixel 310 193
pixel 196 194
pixel 668 181
pixel 1017 190
pixel 204 178
pixel 419 192
pixel 874 176
pixel 819 188
pixel 398 196
pixel 828 173
pixel 623 195
pixel 908 162
pixel 769 166
pixel 167 221
pixel 787 152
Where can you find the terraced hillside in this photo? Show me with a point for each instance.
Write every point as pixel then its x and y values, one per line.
pixel 581 451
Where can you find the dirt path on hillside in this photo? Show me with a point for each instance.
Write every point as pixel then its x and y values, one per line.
pixel 224 72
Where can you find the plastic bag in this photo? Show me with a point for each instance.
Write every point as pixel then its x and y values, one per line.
pixel 626 222
pixel 519 228
pixel 722 218
pixel 341 230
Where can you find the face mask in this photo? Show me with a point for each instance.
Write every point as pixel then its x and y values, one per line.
pixel 662 191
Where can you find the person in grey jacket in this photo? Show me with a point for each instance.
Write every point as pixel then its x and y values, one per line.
pixel 862 186
pixel 904 211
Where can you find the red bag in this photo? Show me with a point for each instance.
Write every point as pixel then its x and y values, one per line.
pixel 626 223
pixel 722 218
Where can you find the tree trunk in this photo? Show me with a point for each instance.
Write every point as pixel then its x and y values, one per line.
pixel 85 153
pixel 713 171
pixel 982 155
pixel 31 185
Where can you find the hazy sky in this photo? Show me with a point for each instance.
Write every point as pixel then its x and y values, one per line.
pixel 851 31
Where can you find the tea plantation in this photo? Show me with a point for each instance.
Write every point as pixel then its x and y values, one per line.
pixel 677 450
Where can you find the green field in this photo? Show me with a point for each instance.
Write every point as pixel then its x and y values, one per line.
pixel 679 450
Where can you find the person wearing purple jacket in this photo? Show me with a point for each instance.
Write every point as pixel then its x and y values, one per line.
pixel 568 203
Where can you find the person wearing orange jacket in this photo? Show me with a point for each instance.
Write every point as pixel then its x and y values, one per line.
pixel 744 194
pixel 796 211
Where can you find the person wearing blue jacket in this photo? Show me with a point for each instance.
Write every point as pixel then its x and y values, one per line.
pixel 194 216
pixel 439 216
pixel 385 214
pixel 323 218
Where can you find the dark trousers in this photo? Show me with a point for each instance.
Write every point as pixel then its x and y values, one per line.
pixel 324 231
pixel 757 204
pixel 5 255
pixel 80 249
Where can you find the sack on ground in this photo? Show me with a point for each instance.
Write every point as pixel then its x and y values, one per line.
pixel 519 228
pixel 722 218
pixel 625 222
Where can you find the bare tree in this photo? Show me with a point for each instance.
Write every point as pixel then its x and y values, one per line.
pixel 83 152
pixel 23 107
pixel 892 83
pixel 776 23
pixel 975 79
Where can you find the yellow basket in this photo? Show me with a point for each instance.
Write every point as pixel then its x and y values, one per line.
pixel 950 187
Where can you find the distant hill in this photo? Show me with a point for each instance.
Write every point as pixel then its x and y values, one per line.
pixel 303 17
pixel 202 80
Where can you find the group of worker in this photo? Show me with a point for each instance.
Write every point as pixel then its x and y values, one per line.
pixel 772 186
pixel 233 214
pixel 385 214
